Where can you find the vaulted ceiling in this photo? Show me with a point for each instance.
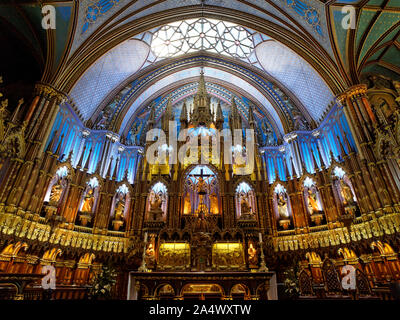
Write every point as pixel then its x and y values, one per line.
pixel 291 54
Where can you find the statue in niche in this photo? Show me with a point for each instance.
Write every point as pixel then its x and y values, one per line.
pixel 55 194
pixel 103 118
pixel 269 135
pixel 88 202
pixel 386 108
pixel 155 204
pixel 201 223
pixel 299 122
pixel 245 208
pixel 252 255
pixel 346 193
pixel 282 207
pixel 313 208
pixel 119 207
pixel 155 211
pixel 134 134
pixel 260 139
pixel 312 202
pixel 150 256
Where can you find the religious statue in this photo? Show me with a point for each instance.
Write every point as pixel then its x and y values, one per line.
pixel 55 194
pixel 119 207
pixel 201 223
pixel 155 211
pixel 346 193
pixel 299 121
pixel 103 119
pixel 245 207
pixel 134 133
pixel 201 186
pixel 282 207
pixel 269 135
pixel 155 204
pixel 150 256
pixel 283 211
pixel 252 254
pixel 312 202
pixel 88 202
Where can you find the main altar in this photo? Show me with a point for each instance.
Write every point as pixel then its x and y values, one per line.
pixel 202 239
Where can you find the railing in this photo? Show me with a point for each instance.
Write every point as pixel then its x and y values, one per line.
pixel 287 233
pixel 119 234
pixel 83 229
pixel 323 227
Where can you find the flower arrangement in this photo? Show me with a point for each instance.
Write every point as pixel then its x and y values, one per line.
pixel 103 283
pixel 291 283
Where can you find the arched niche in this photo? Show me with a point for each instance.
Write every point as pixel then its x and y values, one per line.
pixel 312 200
pixel 245 201
pixel 157 202
pixel 282 207
pixel 120 207
pixel 165 291
pixel 383 103
pixel 240 291
pixel 343 190
pixel 201 191
pixel 89 200
pixel 58 186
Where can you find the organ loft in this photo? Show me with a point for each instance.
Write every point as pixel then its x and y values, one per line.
pixel 174 157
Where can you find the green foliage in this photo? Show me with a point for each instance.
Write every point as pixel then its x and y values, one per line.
pixel 291 282
pixel 103 283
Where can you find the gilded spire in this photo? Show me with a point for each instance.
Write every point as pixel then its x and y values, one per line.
pixel 315 161
pixel 109 173
pixel 236 120
pixel 86 168
pixel 220 116
pixel 98 166
pixel 184 115
pixel 69 159
pixel 59 145
pixel 294 174
pixel 114 177
pixel 202 84
pixel 251 117
pixel 151 121
pixel 80 163
pixel 167 115
pixel 201 113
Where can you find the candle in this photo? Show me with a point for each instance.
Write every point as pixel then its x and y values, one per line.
pixel 259 237
pixel 145 237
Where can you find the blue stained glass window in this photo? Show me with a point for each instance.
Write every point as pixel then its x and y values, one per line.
pixel 315 151
pixel 281 171
pixel 306 156
pixel 271 169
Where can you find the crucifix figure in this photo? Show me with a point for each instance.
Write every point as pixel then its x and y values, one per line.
pixel 202 209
